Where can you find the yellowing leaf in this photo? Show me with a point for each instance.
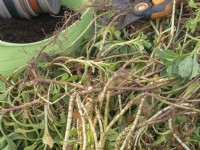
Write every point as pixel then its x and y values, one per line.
pixel 47 139
pixel 191 89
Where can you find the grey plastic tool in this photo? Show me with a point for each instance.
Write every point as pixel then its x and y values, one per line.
pixel 20 10
pixel 14 8
pixel 24 8
pixel 1 12
pixel 50 6
pixel 29 9
pixel 4 13
pixel 11 8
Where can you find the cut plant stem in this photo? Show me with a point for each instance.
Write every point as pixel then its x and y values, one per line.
pixel 134 125
pixel 69 120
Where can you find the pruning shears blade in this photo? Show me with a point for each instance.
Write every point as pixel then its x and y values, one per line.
pixel 127 20
pixel 124 7
pixel 141 9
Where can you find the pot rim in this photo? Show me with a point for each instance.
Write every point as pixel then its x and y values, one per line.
pixel 3 43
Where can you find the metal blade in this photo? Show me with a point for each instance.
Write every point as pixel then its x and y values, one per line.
pixel 127 20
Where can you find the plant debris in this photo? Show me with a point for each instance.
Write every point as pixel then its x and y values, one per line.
pixel 125 90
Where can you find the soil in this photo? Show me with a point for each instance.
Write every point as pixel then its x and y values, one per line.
pixel 36 29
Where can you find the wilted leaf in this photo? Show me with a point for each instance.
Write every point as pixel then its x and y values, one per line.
pixel 191 88
pixel 47 139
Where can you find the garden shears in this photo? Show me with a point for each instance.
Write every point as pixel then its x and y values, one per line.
pixel 129 11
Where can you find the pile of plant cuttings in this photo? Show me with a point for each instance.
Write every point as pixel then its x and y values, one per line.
pixel 129 89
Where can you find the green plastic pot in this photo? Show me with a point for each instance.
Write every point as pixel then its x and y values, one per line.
pixel 13 55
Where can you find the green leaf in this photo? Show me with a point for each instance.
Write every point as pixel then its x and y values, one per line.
pixel 2 142
pixel 159 141
pixel 193 23
pixel 111 138
pixel 117 34
pixel 185 67
pixel 172 69
pixel 107 44
pixel 110 145
pixel 32 147
pixel 72 141
pixel 112 66
pixel 195 68
pixel 11 145
pixel 112 135
pixel 90 139
pixel 180 119
pixel 167 54
pixel 73 132
pixel 83 78
pixel 192 4
pixel 55 96
pixel 64 77
pixel 63 118
pixel 55 90
pixel 72 78
pixel 166 132
pixel 196 134
pixel 4 96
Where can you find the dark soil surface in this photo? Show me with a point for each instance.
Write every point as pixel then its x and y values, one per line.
pixel 35 29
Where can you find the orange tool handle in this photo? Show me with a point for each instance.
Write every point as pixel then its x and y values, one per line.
pixel 162 8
